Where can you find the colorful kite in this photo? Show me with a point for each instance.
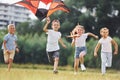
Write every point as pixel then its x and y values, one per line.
pixel 43 8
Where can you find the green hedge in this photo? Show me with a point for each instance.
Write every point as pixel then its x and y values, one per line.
pixel 33 50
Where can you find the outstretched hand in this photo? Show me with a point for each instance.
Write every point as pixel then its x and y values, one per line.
pixel 48 20
pixel 17 50
pixel 96 37
pixel 73 35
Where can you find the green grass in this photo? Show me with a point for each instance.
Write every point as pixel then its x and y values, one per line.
pixel 43 72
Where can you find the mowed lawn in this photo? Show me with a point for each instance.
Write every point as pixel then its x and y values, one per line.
pixel 44 74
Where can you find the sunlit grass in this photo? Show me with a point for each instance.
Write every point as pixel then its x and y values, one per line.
pixel 43 72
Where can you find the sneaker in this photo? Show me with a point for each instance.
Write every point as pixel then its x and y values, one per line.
pixel 107 65
pixel 83 67
pixel 55 71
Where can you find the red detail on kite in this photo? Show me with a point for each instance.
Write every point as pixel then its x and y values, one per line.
pixel 57 6
pixel 41 13
pixel 46 1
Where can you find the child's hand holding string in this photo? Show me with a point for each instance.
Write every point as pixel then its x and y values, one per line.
pixel 48 20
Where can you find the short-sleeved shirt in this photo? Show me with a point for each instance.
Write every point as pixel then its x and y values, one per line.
pixel 106 45
pixel 52 40
pixel 10 41
pixel 81 41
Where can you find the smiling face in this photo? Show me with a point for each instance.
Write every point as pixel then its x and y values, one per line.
pixel 11 28
pixel 104 32
pixel 55 25
pixel 80 29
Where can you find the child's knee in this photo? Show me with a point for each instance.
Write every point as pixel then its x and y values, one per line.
pixel 6 61
pixel 10 60
pixel 56 59
pixel 81 56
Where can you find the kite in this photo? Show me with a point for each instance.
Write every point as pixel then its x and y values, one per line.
pixel 43 8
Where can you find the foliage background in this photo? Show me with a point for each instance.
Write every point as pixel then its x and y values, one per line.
pixel 92 14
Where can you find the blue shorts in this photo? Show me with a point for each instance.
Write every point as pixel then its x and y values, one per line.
pixel 52 55
pixel 78 50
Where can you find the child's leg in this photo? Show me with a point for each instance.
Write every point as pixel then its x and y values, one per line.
pixel 76 60
pixel 109 60
pixel 103 62
pixel 10 60
pixel 76 64
pixel 6 56
pixel 82 54
pixel 10 63
pixel 56 60
pixel 50 57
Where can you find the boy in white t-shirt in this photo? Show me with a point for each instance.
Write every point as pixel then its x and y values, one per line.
pixel 106 49
pixel 79 40
pixel 54 36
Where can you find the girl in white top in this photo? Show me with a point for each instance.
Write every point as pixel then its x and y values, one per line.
pixel 79 40
pixel 106 49
pixel 54 36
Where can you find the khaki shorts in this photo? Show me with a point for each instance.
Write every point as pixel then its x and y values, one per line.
pixel 9 55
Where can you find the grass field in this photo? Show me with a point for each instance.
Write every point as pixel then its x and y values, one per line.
pixel 45 73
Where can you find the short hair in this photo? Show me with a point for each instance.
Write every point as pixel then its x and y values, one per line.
pixel 74 31
pixel 80 26
pixel 10 25
pixel 104 28
pixel 56 20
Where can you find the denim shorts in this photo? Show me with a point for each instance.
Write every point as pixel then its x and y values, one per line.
pixel 78 50
pixel 52 55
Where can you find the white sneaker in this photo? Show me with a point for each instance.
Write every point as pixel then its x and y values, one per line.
pixel 83 67
pixel 106 65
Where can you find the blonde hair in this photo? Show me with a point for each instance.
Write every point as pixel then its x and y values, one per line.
pixel 74 31
pixel 10 25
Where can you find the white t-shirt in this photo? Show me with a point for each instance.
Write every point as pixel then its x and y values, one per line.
pixel 81 41
pixel 52 40
pixel 106 44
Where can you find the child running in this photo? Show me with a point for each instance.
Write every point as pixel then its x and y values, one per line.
pixel 9 45
pixel 54 36
pixel 79 40
pixel 106 43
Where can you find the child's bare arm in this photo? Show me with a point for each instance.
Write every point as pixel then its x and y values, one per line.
pixel 5 48
pixel 115 46
pixel 17 49
pixel 73 42
pixel 46 25
pixel 93 35
pixel 96 49
pixel 61 42
pixel 4 44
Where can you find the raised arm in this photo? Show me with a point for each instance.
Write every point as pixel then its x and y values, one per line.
pixel 46 25
pixel 96 49
pixel 115 46
pixel 61 42
pixel 93 35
